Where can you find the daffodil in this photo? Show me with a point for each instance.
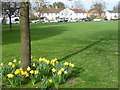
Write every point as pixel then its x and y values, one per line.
pixel 62 69
pixel 10 63
pixel 36 60
pixel 48 62
pixel 14 60
pixel 31 71
pixel 26 74
pixel 17 71
pixel 72 65
pixel 20 69
pixel 65 72
pixel 36 72
pixel 33 65
pixel 13 65
pixel 10 75
pixel 22 73
pixel 66 63
pixel 53 70
pixel 28 69
pixel 1 64
pixel 40 59
pixel 19 62
pixel 59 72
pixel 31 57
pixel 50 80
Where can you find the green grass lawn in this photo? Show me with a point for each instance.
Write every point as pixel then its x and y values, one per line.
pixel 91 46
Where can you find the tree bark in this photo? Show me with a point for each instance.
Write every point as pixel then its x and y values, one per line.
pixel 10 22
pixel 25 35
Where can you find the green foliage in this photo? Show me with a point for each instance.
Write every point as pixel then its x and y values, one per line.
pixel 58 5
pixel 92 16
pixel 40 71
pixel 33 17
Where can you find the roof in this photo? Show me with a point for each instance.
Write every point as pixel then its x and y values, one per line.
pixel 51 10
pixel 94 11
pixel 78 10
pixel 111 11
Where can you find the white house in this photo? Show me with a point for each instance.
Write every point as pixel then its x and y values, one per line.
pixel 70 14
pixel 110 14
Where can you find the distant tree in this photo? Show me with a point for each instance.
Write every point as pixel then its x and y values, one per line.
pixel 79 5
pixel 99 6
pixel 9 8
pixel 50 6
pixel 117 7
pixel 58 5
pixel 39 6
pixel 25 35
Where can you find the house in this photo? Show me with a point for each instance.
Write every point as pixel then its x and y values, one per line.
pixel 93 12
pixel 110 14
pixel 67 13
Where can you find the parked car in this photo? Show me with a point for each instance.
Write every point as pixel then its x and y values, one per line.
pixel 88 19
pixel 104 20
pixel 61 20
pixel 96 20
pixel 79 20
pixel 55 21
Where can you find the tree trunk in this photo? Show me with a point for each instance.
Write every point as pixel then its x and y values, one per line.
pixel 10 22
pixel 25 35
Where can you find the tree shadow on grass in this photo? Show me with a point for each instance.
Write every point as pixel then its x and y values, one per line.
pixel 37 33
pixel 81 50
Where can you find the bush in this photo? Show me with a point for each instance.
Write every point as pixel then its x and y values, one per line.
pixel 50 73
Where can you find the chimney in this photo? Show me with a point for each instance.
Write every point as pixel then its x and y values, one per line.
pixel 72 7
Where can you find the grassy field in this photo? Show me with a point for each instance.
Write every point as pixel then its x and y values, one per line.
pixel 91 46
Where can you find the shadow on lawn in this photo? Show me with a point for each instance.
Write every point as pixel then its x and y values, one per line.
pixel 37 33
pixel 81 50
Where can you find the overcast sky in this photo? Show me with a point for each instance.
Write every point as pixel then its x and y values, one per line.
pixel 87 3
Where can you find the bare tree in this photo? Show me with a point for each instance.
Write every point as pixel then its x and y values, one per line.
pixel 117 7
pixel 99 6
pixel 9 9
pixel 25 35
pixel 39 6
pixel 78 4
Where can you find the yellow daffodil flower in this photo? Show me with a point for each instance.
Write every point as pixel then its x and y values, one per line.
pixel 48 62
pixel 33 65
pixel 14 60
pixel 31 57
pixel 65 72
pixel 13 65
pixel 36 60
pixel 59 72
pixel 53 70
pixel 36 72
pixel 50 80
pixel 1 64
pixel 17 71
pixel 66 63
pixel 10 63
pixel 28 69
pixel 31 71
pixel 40 59
pixel 62 69
pixel 26 74
pixel 21 69
pixel 10 75
pixel 19 62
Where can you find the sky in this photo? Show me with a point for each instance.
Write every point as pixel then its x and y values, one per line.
pixel 87 3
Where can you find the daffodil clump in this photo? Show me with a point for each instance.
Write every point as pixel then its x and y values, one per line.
pixel 50 73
